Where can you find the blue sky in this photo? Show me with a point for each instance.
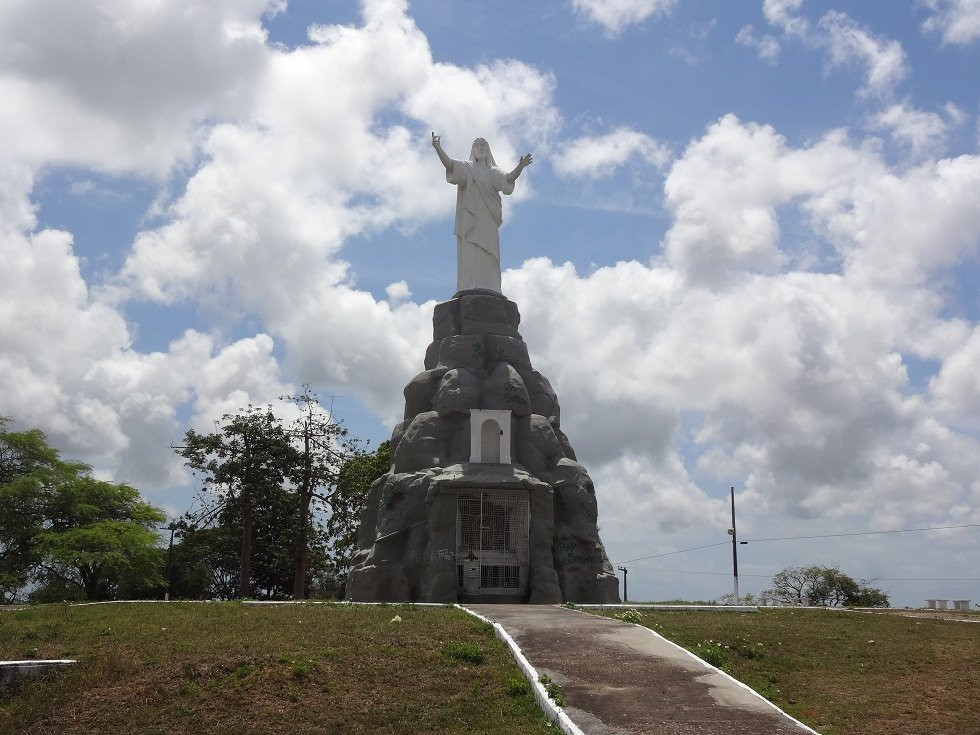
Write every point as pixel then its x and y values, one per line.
pixel 745 254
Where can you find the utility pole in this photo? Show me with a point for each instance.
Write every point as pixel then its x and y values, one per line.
pixel 172 526
pixel 731 532
pixel 626 596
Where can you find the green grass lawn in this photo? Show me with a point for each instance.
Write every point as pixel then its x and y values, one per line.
pixel 229 668
pixel 232 668
pixel 843 673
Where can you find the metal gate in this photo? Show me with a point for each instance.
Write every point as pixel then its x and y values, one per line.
pixel 492 542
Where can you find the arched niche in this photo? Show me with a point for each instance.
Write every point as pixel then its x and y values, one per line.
pixel 489 436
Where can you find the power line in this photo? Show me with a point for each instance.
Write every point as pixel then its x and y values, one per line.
pixel 713 574
pixel 864 533
pixel 926 579
pixel 679 551
pixel 800 538
pixel 769 576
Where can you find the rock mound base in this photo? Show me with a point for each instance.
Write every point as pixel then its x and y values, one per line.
pixel 408 541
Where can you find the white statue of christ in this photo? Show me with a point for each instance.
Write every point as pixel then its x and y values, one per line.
pixel 479 184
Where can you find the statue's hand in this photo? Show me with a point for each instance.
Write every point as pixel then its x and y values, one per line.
pixel 436 140
pixel 526 160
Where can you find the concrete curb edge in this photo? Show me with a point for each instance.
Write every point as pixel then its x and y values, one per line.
pixel 554 713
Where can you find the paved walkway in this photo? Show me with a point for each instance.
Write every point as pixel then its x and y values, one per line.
pixel 623 679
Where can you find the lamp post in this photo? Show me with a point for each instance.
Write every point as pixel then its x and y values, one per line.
pixel 626 596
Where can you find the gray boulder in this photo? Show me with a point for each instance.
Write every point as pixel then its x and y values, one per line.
pixel 513 314
pixel 484 308
pixel 474 326
pixel 396 435
pixel 566 445
pixel 458 392
pixel 544 439
pixel 423 445
pixel 511 350
pixel 459 441
pixel 524 449
pixel 432 355
pixel 544 401
pixel 462 350
pixel 444 320
pixel 583 567
pixel 389 571
pixel 504 389
pixel 419 391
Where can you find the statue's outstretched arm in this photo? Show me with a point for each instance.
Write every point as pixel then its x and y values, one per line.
pixel 525 161
pixel 446 160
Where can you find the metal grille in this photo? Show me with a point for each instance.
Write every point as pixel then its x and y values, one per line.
pixel 496 527
pixel 498 576
pixel 492 540
pixel 468 512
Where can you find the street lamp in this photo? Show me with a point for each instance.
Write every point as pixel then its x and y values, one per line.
pixel 626 597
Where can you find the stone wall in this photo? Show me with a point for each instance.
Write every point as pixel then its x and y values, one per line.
pixel 478 360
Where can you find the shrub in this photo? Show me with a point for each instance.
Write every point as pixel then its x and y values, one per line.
pixel 714 654
pixel 518 686
pixel 469 652
pixel 740 646
pixel 554 691
pixel 629 616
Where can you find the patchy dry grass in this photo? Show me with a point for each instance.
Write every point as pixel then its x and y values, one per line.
pixel 232 668
pixel 844 672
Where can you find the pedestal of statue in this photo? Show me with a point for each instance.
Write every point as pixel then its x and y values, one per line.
pixel 485 500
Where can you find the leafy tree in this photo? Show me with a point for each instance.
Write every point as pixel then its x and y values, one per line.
pixel 324 451
pixel 832 588
pixel 868 596
pixel 62 529
pixel 792 584
pixel 246 464
pixel 101 536
pixel 823 586
pixel 356 476
pixel 204 562
pixel 292 495
pixel 25 458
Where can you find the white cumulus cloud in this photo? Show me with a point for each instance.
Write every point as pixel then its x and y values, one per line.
pixel 765 45
pixel 957 386
pixel 846 43
pixel 884 60
pixel 601 155
pixel 797 381
pixel 957 20
pixel 131 80
pixel 923 132
pixel 287 162
pixel 616 15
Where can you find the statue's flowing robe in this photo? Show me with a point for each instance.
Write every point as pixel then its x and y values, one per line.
pixel 478 218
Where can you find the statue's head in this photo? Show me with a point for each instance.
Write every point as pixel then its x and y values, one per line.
pixel 480 153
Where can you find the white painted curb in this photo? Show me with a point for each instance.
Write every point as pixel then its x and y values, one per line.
pixel 12 672
pixel 661 606
pixel 554 713
pixel 343 602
